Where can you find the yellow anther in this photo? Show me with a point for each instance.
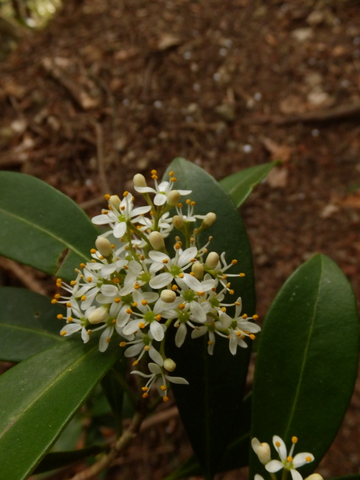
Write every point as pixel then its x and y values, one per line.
pixel 255 317
pixel 163 388
pixel 308 459
pixel 165 260
pixel 289 459
pixel 116 280
pixel 83 298
pixel 57 295
pixel 117 300
pixel 277 444
pixel 294 439
pixel 122 344
pixel 113 321
pixel 68 305
pixel 136 286
pixel 126 193
pixel 158 318
pixel 53 301
pixel 144 389
pixel 252 336
pixel 145 395
pixel 210 342
pixel 63 333
pixel 107 197
pixel 129 311
pixel 171 173
pixel 181 306
pixel 93 251
pixel 73 282
pixel 181 275
pixel 135 363
pixel 234 262
pixel 175 288
pixel 244 316
pixel 231 291
pixel 60 316
pixel 70 319
pixel 223 309
pixel 177 246
pixel 141 325
pixel 144 302
pixel 241 274
pixel 237 304
pixel 108 340
pixel 134 304
pixel 89 279
pixel 165 398
pixel 147 348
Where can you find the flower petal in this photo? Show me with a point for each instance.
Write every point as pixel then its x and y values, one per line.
pixel 274 466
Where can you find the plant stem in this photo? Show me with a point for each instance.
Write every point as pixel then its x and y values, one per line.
pixel 121 443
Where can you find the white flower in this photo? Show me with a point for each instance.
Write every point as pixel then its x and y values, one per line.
pixel 119 215
pixel 288 462
pixel 262 450
pixel 161 190
pixel 158 376
pixel 175 267
pixel 141 345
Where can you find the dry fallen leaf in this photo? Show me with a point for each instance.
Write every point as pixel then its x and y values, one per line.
pixel 352 200
pixel 277 177
pixel 277 151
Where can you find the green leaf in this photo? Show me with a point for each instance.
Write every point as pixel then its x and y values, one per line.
pixel 236 454
pixel 112 387
pixel 239 185
pixel 28 324
pixel 307 361
pixel 210 406
pixel 39 396
pixel 55 460
pixel 39 225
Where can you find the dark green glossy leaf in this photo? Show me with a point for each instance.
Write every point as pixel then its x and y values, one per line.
pixel 39 396
pixel 39 225
pixel 240 185
pixel 28 324
pixel 112 387
pixel 210 406
pixel 62 459
pixel 307 361
pixel 236 454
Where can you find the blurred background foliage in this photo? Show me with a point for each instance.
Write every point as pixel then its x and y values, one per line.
pixel 19 17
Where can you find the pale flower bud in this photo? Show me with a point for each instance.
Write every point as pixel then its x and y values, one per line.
pixel 178 222
pixel 314 476
pixel 139 180
pixel 264 453
pixel 114 201
pixel 168 296
pixel 98 315
pixel 156 240
pixel 169 364
pixel 198 270
pixel 212 260
pixel 104 246
pixel 209 219
pixel 173 198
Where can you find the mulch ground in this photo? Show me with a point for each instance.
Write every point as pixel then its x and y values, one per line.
pixel 113 88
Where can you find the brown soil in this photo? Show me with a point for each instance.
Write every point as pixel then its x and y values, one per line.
pixel 112 88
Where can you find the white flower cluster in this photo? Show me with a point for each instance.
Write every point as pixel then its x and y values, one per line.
pixel 135 287
pixel 287 461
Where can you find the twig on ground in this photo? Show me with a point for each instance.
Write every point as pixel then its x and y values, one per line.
pixel 26 277
pixel 107 460
pixel 340 112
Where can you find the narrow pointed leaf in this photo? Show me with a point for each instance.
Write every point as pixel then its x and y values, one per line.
pixel 28 324
pixel 39 396
pixel 39 225
pixel 307 361
pixel 240 185
pixel 236 454
pixel 210 406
